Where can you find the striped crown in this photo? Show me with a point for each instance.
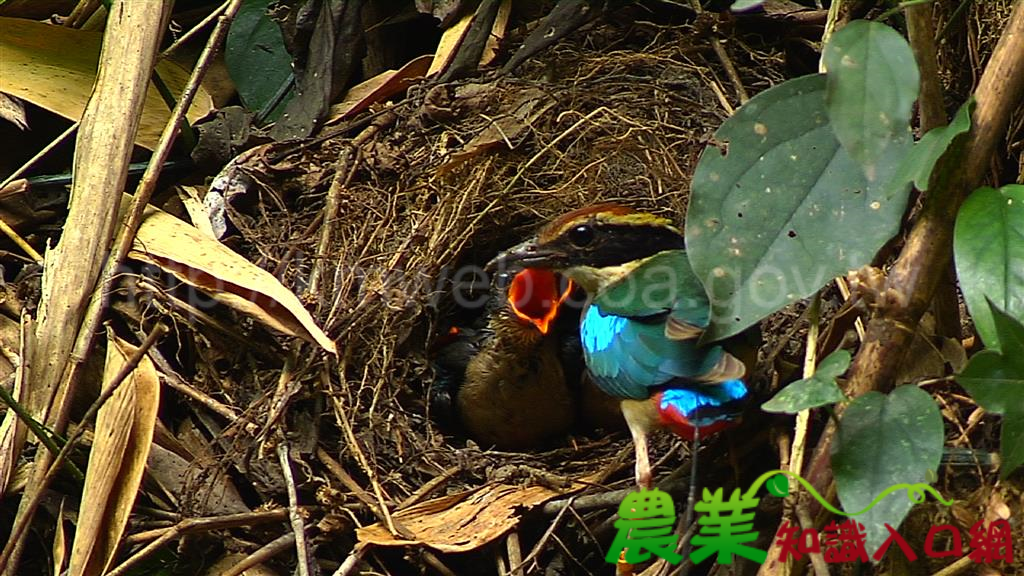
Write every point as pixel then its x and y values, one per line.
pixel 604 213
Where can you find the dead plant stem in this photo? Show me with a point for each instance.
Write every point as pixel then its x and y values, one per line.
pixel 723 57
pixel 294 516
pixel 264 553
pixel 194 525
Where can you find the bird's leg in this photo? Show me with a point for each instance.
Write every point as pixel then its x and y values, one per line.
pixel 644 478
pixel 691 497
pixel 639 418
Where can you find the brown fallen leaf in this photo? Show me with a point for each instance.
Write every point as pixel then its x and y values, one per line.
pixel 378 89
pixel 465 521
pixel 204 263
pixel 54 68
pixel 123 437
pixel 451 39
pixel 493 46
pixel 12 110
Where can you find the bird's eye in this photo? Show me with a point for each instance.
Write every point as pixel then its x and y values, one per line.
pixel 581 235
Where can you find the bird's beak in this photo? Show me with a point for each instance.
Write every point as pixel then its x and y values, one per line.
pixel 529 254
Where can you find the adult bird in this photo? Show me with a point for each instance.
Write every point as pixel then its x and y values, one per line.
pixel 640 326
pixel 505 380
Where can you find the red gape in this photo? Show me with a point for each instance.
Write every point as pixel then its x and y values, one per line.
pixel 534 297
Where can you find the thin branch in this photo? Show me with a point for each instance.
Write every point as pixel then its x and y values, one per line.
pixel 294 516
pixel 194 525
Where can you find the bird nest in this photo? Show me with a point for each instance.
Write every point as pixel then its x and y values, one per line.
pixel 427 190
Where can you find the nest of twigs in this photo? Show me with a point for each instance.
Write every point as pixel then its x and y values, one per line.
pixel 428 187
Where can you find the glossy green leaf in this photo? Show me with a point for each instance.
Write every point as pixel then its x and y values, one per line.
pixel 818 390
pixel 741 5
pixel 918 164
pixel 780 208
pixel 872 86
pixel 884 441
pixel 255 56
pixel 665 281
pixel 995 379
pixel 988 245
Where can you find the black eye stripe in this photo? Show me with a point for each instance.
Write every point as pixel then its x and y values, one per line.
pixel 615 244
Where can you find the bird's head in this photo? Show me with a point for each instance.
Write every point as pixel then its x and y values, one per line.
pixel 534 296
pixel 595 246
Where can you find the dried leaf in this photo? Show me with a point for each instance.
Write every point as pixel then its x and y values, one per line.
pixel 379 88
pixel 996 509
pixel 12 429
pixel 204 263
pixel 124 434
pixel 449 44
pixel 215 494
pixel 60 543
pixel 493 46
pixel 12 110
pixel 54 67
pixel 465 521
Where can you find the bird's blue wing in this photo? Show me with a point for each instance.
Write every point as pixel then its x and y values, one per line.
pixel 629 356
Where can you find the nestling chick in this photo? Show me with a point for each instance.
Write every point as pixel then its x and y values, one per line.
pixel 513 393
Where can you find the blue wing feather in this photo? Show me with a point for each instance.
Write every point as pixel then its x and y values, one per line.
pixel 629 356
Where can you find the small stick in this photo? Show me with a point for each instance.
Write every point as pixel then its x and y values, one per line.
pixel 817 560
pixel 195 30
pixel 350 563
pixel 723 57
pixel 192 525
pixel 958 567
pixel 431 485
pixel 266 552
pixel 294 517
pixel 515 554
pixel 543 539
pixel 344 171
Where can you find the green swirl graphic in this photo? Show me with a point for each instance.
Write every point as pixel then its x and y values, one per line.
pixel 916 492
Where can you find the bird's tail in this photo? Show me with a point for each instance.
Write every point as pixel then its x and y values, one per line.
pixel 708 407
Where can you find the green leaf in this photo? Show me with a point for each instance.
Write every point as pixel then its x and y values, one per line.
pixel 918 164
pixel 1011 442
pixel 818 390
pixel 884 441
pixel 988 245
pixel 872 86
pixel 741 5
pixel 995 379
pixel 664 281
pixel 784 209
pixel 255 56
